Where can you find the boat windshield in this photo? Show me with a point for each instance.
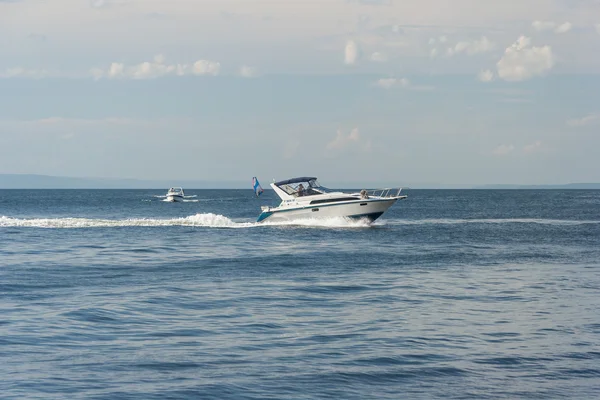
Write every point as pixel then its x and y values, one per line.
pixel 304 188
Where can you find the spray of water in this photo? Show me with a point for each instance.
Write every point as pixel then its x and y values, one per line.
pixel 208 220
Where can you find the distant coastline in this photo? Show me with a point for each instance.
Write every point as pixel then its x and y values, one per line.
pixel 557 186
pixel 33 181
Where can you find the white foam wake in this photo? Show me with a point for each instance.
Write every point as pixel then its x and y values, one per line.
pixel 185 200
pixel 199 220
pixel 207 220
pixel 333 222
pixel 444 221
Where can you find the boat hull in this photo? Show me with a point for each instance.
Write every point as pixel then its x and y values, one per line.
pixel 174 198
pixel 368 209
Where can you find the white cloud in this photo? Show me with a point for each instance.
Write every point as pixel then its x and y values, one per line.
pixel 378 57
pixel 541 26
pixel 485 76
pixel 156 69
pixel 247 72
pixel 50 121
pixel 482 45
pixel 503 149
pixel 521 62
pixel 563 28
pixel 584 121
pixel 19 72
pixel 388 83
pixel 433 53
pixel 350 52
pixel 342 140
pixel 441 39
pixel 533 147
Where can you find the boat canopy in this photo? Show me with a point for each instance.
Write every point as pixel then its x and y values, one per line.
pixel 295 180
pixel 303 186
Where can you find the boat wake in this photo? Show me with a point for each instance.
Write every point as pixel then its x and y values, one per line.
pixel 208 220
pixel 185 200
pixel 444 221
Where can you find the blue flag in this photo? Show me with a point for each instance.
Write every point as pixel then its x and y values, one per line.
pixel 257 189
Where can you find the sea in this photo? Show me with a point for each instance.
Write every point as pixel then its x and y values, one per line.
pixel 452 294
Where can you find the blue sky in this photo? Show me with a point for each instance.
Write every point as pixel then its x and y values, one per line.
pixel 429 91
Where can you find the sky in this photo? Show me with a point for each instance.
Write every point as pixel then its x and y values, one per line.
pixel 412 91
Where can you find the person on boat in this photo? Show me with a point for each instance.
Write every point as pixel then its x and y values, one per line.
pixel 301 190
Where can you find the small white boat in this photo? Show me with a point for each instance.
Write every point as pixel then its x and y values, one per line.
pixel 304 198
pixel 175 194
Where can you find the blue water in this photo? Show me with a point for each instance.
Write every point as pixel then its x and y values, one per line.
pixel 454 294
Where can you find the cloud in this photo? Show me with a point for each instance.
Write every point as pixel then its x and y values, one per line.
pixel 542 26
pixel 388 83
pixel 378 57
pixel 342 140
pixel 533 147
pixel 350 52
pixel 247 72
pixel 485 76
pixel 433 53
pixel 441 39
pixel 503 149
pixel 19 72
pixel 584 121
pixel 597 26
pixel 156 69
pixel 563 28
pixel 482 45
pixel 52 121
pixel 521 62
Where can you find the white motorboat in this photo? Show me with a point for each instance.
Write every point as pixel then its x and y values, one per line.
pixel 304 198
pixel 175 194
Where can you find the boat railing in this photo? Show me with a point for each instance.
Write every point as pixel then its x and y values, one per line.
pixel 383 192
